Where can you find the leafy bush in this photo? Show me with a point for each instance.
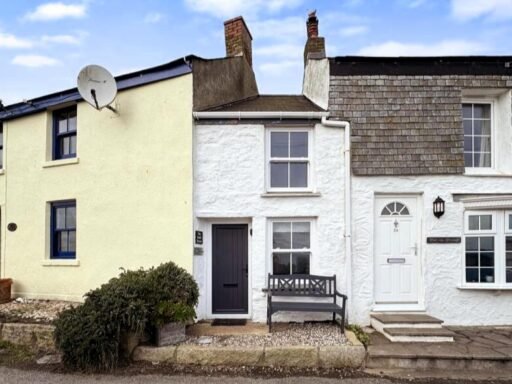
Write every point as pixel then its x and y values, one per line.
pixel 89 336
pixel 361 335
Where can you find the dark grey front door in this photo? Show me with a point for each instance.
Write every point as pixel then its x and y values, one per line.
pixel 229 268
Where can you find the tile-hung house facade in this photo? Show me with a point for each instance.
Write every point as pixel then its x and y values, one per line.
pixel 268 198
pixel 84 193
pixel 423 128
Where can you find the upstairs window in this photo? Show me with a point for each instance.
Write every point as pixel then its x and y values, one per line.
pixel 477 121
pixel 1 146
pixel 63 230
pixel 289 160
pixel 64 133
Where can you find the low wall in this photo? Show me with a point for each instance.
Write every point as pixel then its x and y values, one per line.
pixel 36 336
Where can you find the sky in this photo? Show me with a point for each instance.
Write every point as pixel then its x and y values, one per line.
pixel 44 44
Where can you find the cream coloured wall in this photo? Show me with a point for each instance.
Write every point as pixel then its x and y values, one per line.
pixel 132 185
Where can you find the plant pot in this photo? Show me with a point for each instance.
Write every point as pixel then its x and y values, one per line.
pixel 5 290
pixel 170 334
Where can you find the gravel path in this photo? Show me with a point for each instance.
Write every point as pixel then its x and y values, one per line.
pixel 311 334
pixel 34 311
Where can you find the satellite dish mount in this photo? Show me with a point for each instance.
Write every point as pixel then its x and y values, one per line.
pixel 97 87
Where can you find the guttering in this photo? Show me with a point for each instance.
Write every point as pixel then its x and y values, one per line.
pixel 348 205
pixel 239 115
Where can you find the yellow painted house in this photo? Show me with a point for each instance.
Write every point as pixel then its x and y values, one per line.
pixel 84 193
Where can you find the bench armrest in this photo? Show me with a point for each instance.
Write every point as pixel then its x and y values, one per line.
pixel 341 295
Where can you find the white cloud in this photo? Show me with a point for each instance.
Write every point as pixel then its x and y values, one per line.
pixel 11 41
pixel 34 61
pixel 279 68
pixel 354 30
pixel 153 17
pixel 280 50
pixel 471 9
pixel 56 11
pixel 231 8
pixel 288 28
pixel 61 39
pixel 442 48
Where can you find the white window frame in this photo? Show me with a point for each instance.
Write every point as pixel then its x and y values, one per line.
pixel 499 232
pixel 270 246
pixel 308 160
pixel 492 103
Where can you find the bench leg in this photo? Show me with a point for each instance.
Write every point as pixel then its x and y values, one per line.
pixel 270 323
pixel 343 322
pixel 334 317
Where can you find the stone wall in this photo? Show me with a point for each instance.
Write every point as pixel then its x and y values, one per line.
pixel 39 337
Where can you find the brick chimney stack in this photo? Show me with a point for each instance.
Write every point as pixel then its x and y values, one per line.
pixel 238 39
pixel 315 46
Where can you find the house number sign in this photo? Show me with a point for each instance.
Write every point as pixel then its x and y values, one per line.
pixel 444 240
pixel 199 237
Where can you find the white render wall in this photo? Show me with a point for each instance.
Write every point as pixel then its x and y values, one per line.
pixel 229 180
pixel 441 263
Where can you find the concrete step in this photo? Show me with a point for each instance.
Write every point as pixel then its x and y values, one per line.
pixel 405 318
pixel 431 335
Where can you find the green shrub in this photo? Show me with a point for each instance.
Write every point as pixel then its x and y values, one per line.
pixel 361 335
pixel 89 336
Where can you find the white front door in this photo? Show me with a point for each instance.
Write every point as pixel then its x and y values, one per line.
pixel 396 250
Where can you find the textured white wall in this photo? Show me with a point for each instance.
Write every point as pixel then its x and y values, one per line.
pixel 441 263
pixel 229 179
pixel 316 81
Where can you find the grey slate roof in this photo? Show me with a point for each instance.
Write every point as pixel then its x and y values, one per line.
pixel 271 103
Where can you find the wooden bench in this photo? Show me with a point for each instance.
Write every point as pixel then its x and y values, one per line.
pixel 307 286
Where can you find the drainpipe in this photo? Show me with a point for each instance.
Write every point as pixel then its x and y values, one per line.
pixel 348 206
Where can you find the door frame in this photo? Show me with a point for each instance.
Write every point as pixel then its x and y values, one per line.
pixel 209 274
pixel 397 307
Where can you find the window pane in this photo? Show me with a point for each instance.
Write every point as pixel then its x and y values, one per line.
pixel 473 223
pixel 279 144
pixel 487 275
pixel 301 235
pixel 509 221
pixel 62 125
pixel 298 175
pixel 298 144
pixel 468 144
pixel 471 259
pixel 72 146
pixel 279 175
pixel 482 144
pixel 508 244
pixel 63 241
pixel 72 241
pixel 509 259
pixel 1 158
pixel 481 111
pixel 509 275
pixel 468 159
pixel 64 146
pixel 70 217
pixel 300 262
pixel 281 263
pixel 487 259
pixel 60 220
pixel 482 127
pixel 468 127
pixel 282 236
pixel 472 275
pixel 486 223
pixel 482 160
pixel 471 244
pixel 467 112
pixel 72 122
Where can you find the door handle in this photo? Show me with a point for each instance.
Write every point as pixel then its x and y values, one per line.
pixel 396 260
pixel 230 285
pixel 415 247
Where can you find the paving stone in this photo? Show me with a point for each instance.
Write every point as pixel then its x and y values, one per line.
pixel 296 356
pixel 342 356
pixel 196 355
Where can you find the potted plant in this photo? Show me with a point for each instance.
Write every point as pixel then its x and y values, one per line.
pixel 171 321
pixel 5 290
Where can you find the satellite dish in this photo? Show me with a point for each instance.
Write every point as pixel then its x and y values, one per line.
pixel 97 86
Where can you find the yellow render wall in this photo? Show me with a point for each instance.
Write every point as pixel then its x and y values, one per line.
pixel 132 185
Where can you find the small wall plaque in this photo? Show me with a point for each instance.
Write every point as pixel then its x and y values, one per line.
pixel 199 237
pixel 12 227
pixel 198 251
pixel 444 240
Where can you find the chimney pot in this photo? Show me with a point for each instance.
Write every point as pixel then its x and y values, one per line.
pixel 312 25
pixel 315 46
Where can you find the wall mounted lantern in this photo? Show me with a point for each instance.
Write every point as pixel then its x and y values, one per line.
pixel 438 207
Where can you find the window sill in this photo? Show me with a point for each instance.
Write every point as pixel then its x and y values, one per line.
pixel 60 263
pixel 291 194
pixel 58 163
pixel 483 172
pixel 486 287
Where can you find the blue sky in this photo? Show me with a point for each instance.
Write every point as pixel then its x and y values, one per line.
pixel 44 44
